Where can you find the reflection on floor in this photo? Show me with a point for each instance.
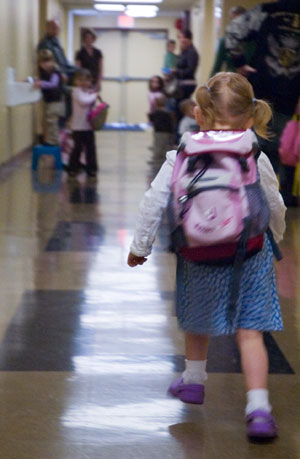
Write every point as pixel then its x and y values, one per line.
pixel 90 346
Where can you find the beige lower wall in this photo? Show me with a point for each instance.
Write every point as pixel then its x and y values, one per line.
pixel 18 36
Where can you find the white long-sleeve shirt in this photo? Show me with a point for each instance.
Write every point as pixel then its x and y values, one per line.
pixel 157 197
pixel 82 101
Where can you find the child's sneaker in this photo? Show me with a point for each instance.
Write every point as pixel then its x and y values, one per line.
pixel 261 425
pixel 187 393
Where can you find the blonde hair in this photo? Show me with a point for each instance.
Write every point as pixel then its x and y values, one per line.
pixel 160 101
pixel 228 99
pixel 186 105
pixel 45 55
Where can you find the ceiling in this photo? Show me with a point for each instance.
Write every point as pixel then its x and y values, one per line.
pixel 166 5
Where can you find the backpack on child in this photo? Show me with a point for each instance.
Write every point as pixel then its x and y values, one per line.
pixel 98 114
pixel 219 212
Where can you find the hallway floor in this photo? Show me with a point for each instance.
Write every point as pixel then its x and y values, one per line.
pixel 90 346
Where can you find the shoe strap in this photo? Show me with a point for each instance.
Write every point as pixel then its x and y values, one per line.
pixel 260 414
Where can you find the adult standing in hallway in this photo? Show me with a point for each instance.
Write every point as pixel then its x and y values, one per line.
pixel 90 58
pixel 223 60
pixel 52 43
pixel 275 29
pixel 186 67
pixel 187 64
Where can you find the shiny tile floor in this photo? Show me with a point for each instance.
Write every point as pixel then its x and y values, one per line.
pixel 89 346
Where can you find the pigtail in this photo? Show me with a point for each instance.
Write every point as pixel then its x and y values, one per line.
pixel 261 117
pixel 206 104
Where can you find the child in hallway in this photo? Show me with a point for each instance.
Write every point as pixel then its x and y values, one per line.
pixel 203 291
pixel 51 84
pixel 156 89
pixel 170 59
pixel 83 134
pixel 188 122
pixel 163 125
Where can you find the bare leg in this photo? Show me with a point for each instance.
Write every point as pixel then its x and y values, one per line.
pixel 196 346
pixel 255 362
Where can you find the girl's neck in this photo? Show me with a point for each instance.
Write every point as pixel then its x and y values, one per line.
pixel 224 127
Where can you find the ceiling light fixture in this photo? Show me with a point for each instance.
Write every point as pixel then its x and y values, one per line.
pixel 128 2
pixel 144 11
pixel 112 7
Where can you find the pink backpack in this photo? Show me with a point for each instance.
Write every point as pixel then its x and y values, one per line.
pixel 219 209
pixel 289 149
pixel 98 114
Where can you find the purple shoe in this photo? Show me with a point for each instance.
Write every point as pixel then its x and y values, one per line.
pixel 261 424
pixel 187 393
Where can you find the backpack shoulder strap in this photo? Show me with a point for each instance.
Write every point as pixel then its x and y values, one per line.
pixel 275 248
pixel 256 150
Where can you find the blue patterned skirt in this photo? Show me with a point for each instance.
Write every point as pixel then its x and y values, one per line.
pixel 203 293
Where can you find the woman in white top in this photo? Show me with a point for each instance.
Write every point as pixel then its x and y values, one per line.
pixel 203 291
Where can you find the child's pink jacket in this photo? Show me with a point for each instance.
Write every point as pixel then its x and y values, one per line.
pixel 81 105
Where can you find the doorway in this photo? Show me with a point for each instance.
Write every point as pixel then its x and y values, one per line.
pixel 130 58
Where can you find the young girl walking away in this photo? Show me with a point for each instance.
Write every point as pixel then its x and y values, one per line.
pixel 83 134
pixel 51 83
pixel 226 106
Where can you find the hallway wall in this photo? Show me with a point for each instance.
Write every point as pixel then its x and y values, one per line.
pixel 18 37
pixel 21 24
pixel 55 10
pixel 203 26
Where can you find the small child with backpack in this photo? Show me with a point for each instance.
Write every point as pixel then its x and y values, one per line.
pixel 226 211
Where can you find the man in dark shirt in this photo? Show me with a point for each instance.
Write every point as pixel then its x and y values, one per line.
pixel 51 42
pixel 274 71
pixel 186 67
pixel 187 64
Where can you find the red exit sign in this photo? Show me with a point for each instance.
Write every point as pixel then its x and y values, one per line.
pixel 125 22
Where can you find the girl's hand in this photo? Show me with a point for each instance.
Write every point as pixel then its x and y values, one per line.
pixel 65 78
pixel 134 260
pixel 37 84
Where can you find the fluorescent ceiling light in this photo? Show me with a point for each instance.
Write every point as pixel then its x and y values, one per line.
pixel 127 2
pixel 143 11
pixel 142 7
pixel 112 7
